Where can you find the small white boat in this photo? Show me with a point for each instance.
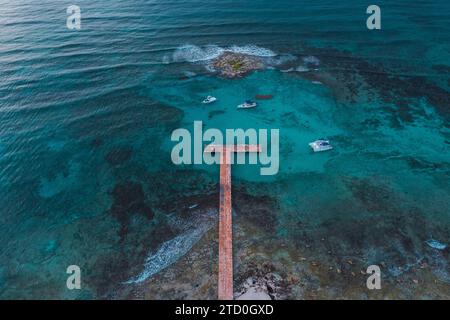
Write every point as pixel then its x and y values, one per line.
pixel 321 145
pixel 436 244
pixel 247 105
pixel 209 99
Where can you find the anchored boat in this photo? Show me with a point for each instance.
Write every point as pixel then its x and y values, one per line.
pixel 209 99
pixel 321 145
pixel 247 105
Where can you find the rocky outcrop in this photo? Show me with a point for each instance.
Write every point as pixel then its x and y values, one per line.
pixel 261 288
pixel 234 65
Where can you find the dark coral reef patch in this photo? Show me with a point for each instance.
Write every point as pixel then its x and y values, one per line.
pixel 351 77
pixel 257 210
pixel 375 197
pixel 129 199
pixel 119 156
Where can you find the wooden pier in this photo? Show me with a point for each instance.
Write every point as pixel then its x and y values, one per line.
pixel 225 285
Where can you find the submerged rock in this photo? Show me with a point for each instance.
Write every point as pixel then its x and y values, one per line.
pixel 234 65
pixel 259 211
pixel 261 287
pixel 374 195
pixel 119 156
pixel 215 113
pixel 263 97
pixel 254 293
pixel 129 199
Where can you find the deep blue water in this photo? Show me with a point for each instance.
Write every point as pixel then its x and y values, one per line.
pixel 86 117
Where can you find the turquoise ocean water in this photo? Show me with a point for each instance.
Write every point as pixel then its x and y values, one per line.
pixel 86 117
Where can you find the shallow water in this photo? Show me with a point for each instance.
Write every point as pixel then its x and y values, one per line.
pixel 86 118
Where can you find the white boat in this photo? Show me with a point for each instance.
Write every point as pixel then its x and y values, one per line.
pixel 436 244
pixel 247 105
pixel 321 145
pixel 209 99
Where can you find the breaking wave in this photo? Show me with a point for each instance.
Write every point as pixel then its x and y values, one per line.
pixel 193 53
pixel 252 50
pixel 287 70
pixel 280 60
pixel 297 69
pixel 302 69
pixel 312 60
pixel 172 250
pixel 168 253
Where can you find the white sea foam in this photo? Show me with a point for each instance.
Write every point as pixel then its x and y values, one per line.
pixel 210 68
pixel 192 53
pixel 166 59
pixel 280 59
pixel 252 50
pixel 189 74
pixel 302 69
pixel 172 250
pixel 311 60
pixel 168 253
